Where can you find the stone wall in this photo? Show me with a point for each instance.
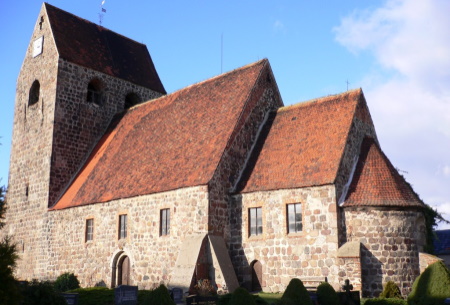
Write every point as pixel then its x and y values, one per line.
pixel 152 256
pixel 310 255
pixel 80 124
pixel 392 240
pixel 30 153
pixel 362 126
pixel 263 99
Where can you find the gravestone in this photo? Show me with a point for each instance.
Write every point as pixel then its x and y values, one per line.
pixel 126 295
pixel 71 298
pixel 177 294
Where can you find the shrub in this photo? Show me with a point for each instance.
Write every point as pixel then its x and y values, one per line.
pixel 296 293
pixel 66 281
pixel 226 299
pixel 327 295
pixel 9 289
pixel 41 293
pixel 241 297
pixel 94 296
pixel 385 301
pixel 432 286
pixel 159 296
pixel 391 290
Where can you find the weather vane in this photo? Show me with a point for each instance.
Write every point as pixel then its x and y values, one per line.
pixel 102 12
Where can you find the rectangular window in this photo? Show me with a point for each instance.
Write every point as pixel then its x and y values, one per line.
pixel 165 222
pixel 294 217
pixel 122 226
pixel 255 223
pixel 89 229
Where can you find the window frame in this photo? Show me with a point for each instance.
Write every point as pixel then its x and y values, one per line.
pixel 164 222
pixel 255 221
pixel 89 230
pixel 123 226
pixel 292 220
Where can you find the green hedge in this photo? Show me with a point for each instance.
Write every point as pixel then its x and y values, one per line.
pixel 432 286
pixel 385 301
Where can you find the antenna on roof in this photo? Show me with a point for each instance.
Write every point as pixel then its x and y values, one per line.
pixel 101 14
pixel 347 84
pixel 221 53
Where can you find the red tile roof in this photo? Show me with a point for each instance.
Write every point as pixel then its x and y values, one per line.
pixel 89 45
pixel 304 145
pixel 377 183
pixel 172 142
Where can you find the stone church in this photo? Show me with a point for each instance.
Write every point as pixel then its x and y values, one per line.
pixel 115 180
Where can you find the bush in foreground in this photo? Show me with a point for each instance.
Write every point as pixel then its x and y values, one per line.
pixel 295 293
pixel 432 286
pixel 159 296
pixel 327 295
pixel 385 301
pixel 391 290
pixel 67 281
pixel 94 296
pixel 41 293
pixel 241 297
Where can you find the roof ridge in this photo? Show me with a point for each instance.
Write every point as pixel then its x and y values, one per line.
pixel 100 27
pixel 201 83
pixel 322 99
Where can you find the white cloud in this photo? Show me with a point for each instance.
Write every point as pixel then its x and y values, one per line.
pixel 409 96
pixel 278 26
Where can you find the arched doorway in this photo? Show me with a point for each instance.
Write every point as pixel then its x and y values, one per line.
pixel 123 275
pixel 121 270
pixel 256 269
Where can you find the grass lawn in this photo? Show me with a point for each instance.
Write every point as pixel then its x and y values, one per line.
pixel 270 297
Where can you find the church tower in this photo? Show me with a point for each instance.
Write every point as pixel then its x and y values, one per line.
pixel 76 76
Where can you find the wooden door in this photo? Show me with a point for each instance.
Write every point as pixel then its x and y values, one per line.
pixel 124 271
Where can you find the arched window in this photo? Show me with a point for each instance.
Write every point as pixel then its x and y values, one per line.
pixel 33 96
pixel 94 92
pixel 131 99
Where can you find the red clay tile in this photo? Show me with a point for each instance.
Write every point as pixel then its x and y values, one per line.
pixel 172 142
pixel 377 183
pixel 304 145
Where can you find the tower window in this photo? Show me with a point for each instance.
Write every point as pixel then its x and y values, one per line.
pixel 131 99
pixel 33 96
pixel 94 92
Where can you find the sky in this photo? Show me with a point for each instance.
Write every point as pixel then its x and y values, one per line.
pixel 397 51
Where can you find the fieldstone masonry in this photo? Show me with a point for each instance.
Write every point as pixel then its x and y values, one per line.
pixel 53 137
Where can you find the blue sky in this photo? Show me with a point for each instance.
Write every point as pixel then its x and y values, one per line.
pixel 398 51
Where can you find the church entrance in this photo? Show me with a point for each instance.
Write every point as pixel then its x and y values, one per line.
pixel 124 271
pixel 121 270
pixel 256 269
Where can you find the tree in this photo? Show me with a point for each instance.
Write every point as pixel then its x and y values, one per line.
pixel 9 289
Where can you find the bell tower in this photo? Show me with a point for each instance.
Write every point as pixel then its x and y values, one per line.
pixel 76 76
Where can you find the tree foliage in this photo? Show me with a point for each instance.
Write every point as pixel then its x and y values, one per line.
pixel 432 286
